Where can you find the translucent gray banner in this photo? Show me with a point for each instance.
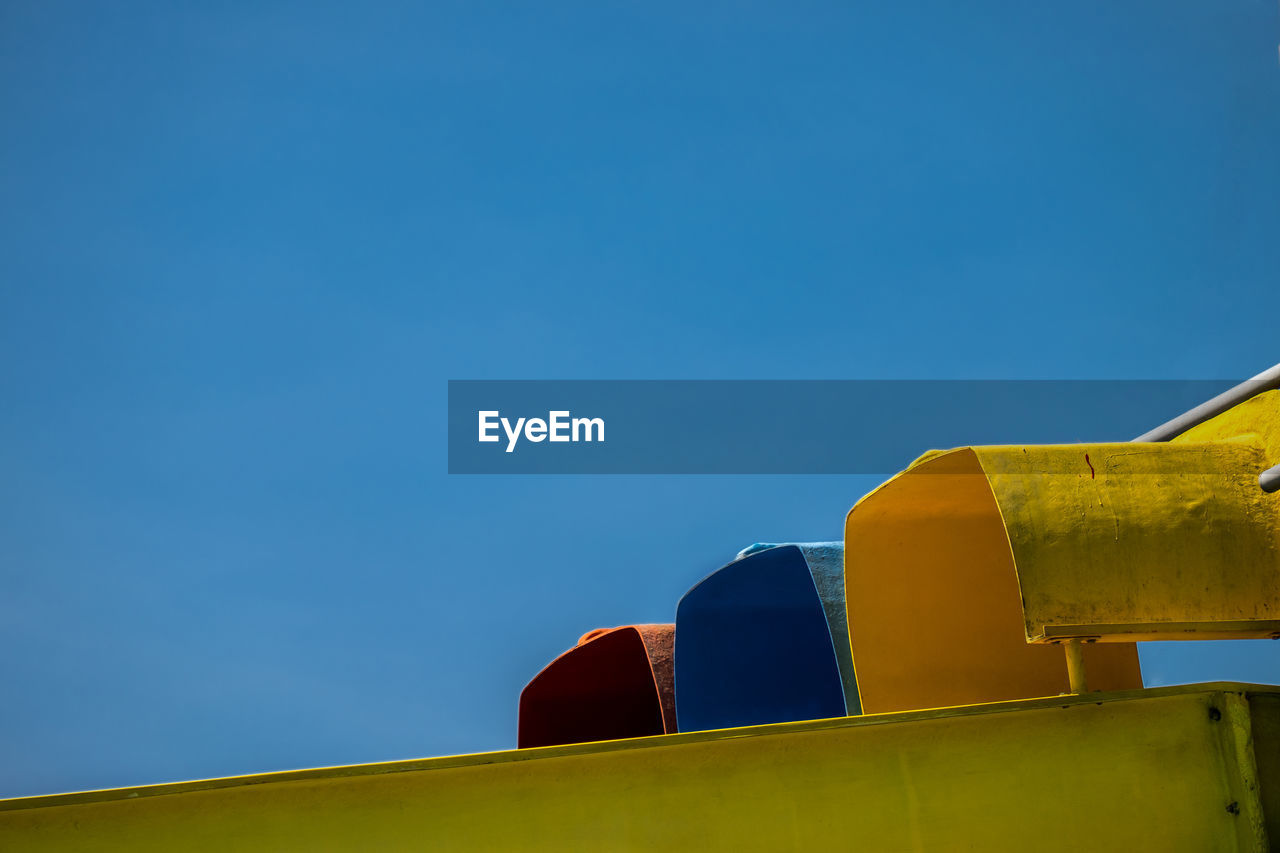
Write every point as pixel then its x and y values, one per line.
pixel 784 427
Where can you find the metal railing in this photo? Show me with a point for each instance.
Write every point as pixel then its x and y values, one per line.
pixel 1267 380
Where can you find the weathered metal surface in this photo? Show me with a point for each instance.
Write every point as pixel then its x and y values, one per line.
pixel 1140 541
pixel 1173 769
pixel 1264 708
pixel 616 683
pixel 753 644
pixel 1147 541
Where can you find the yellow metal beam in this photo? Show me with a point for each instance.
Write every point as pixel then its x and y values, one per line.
pixel 1147 541
pixel 1140 541
pixel 1172 769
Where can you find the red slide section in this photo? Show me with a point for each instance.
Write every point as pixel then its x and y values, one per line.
pixel 615 683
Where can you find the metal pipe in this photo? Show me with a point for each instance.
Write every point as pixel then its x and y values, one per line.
pixel 1267 380
pixel 1269 479
pixel 1075 666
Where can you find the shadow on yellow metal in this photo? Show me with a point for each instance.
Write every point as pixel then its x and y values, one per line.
pixel 953 567
pixel 1174 769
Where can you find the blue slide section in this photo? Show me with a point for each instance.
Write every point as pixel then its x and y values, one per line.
pixel 753 643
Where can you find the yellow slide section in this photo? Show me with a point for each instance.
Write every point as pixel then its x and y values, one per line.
pixel 953 567
pixel 1174 769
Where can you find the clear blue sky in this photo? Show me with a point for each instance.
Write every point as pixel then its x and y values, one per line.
pixel 243 248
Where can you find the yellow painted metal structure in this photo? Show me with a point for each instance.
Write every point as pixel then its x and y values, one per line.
pixel 955 565
pixel 1174 769
pixel 960 575
pixel 935 617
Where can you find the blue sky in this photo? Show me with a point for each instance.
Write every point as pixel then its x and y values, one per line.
pixel 244 247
